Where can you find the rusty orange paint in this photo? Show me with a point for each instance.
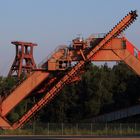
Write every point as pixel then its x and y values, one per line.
pixel 109 48
pixel 24 62
pixel 22 91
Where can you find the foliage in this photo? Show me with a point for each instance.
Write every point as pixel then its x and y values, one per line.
pixel 101 89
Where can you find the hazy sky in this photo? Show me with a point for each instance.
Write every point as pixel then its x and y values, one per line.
pixel 50 23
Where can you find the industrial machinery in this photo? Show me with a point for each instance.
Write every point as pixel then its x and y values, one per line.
pixel 24 62
pixel 65 65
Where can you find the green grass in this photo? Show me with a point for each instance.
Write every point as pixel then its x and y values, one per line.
pixel 40 131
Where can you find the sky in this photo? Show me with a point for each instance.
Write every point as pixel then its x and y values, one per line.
pixel 50 23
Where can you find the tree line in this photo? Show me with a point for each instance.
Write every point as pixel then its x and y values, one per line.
pixel 102 89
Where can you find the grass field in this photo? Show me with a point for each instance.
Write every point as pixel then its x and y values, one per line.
pixel 77 129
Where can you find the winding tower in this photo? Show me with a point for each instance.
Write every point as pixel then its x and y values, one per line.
pixel 24 62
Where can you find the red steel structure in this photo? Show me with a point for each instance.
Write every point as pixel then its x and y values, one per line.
pixel 24 62
pixel 58 70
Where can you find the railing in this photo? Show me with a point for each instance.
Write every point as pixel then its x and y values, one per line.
pixel 76 129
pixel 97 35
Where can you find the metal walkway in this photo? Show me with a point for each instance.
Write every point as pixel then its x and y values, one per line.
pixel 116 115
